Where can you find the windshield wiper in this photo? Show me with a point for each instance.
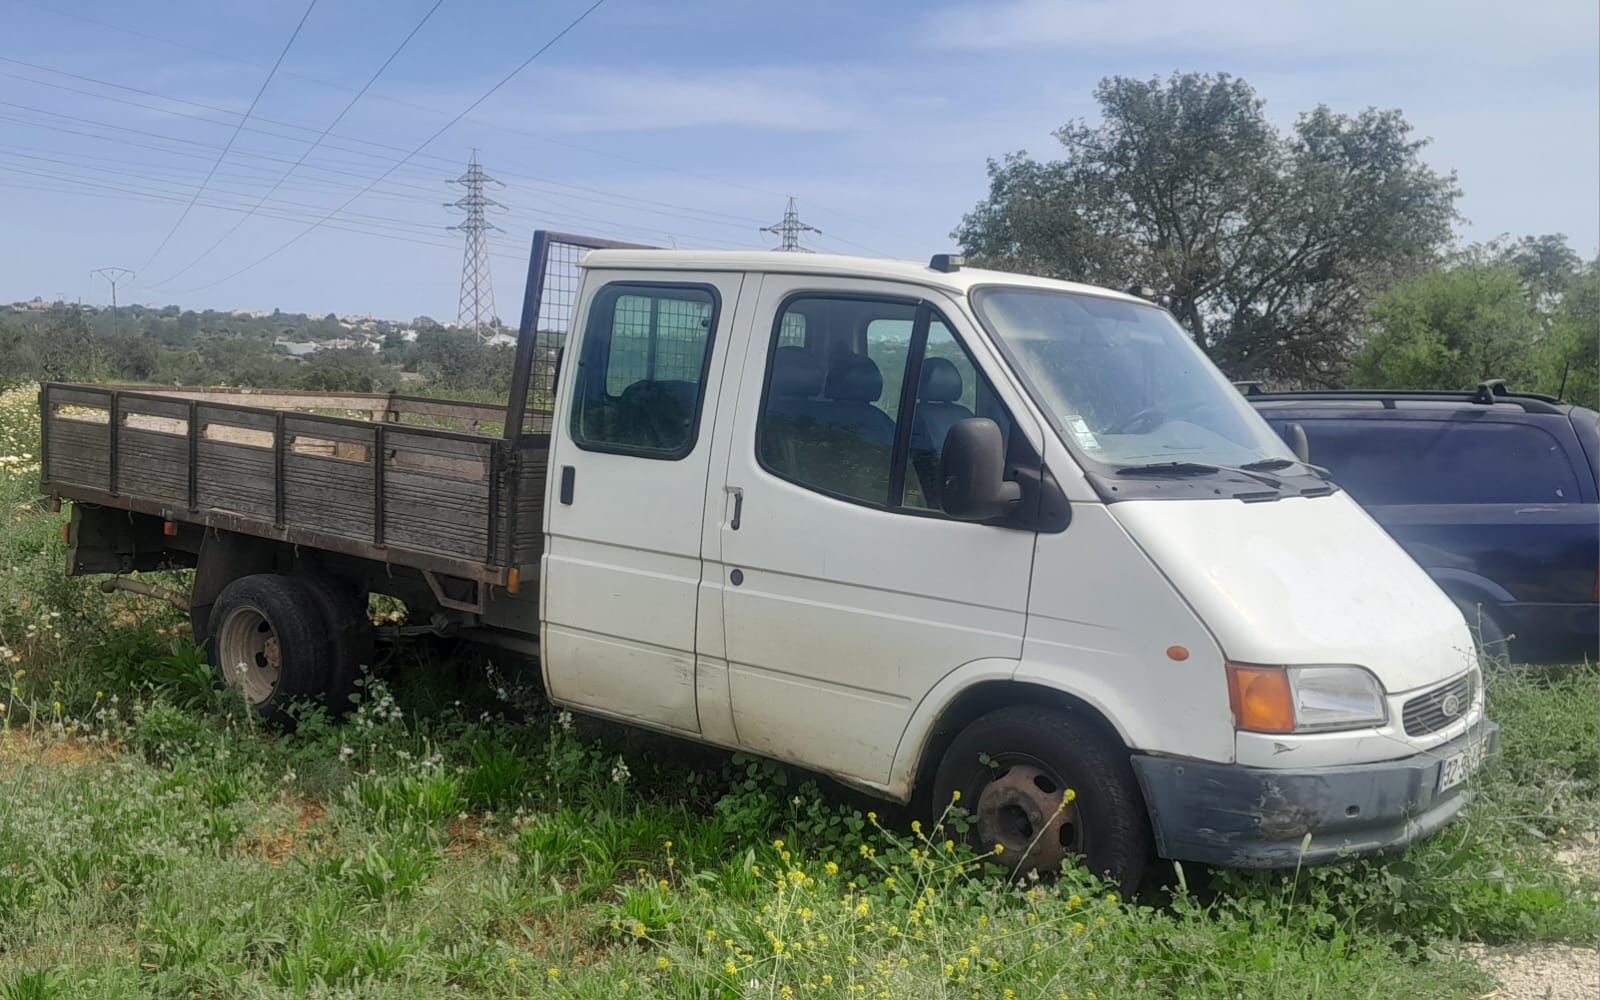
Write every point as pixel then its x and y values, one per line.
pixel 1196 469
pixel 1268 464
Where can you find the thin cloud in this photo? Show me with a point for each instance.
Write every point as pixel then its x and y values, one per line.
pixel 1356 27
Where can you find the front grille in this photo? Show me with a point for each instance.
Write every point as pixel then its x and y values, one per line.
pixel 1439 708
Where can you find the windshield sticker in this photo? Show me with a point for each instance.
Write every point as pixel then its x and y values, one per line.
pixel 1081 431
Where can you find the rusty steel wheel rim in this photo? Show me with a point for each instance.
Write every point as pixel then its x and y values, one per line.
pixel 248 651
pixel 1023 809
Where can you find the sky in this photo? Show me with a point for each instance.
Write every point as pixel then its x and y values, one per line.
pixel 680 123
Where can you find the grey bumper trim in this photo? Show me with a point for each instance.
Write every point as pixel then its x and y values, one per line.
pixel 1252 817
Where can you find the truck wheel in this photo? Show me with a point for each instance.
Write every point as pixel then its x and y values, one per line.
pixel 344 611
pixel 270 639
pixel 1013 767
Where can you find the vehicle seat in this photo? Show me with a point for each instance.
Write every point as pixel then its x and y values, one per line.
pixel 853 384
pixel 658 414
pixel 790 421
pixel 937 409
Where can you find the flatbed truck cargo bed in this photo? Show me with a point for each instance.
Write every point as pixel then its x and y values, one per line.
pixel 280 466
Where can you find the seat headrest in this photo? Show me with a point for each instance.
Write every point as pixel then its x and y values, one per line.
pixel 941 381
pixel 796 373
pixel 856 378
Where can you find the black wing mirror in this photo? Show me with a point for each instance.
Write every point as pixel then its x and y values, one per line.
pixel 973 464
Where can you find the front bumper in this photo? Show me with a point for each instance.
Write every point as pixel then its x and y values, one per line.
pixel 1256 817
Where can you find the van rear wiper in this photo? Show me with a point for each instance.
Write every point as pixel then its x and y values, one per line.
pixel 1195 469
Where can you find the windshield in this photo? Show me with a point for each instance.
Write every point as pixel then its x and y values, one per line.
pixel 1123 382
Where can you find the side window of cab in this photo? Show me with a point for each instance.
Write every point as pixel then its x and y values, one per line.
pixel 858 407
pixel 640 381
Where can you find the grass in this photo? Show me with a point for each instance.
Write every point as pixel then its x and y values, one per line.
pixel 457 836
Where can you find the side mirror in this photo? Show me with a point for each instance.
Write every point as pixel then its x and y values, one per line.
pixel 973 464
pixel 1295 436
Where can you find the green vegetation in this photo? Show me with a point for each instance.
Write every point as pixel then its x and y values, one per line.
pixel 1317 256
pixel 456 836
pixel 172 347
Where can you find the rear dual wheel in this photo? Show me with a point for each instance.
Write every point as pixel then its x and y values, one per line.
pixel 281 640
pixel 1013 769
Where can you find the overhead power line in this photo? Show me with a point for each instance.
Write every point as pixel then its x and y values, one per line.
pixel 419 148
pixel 223 155
pixel 309 149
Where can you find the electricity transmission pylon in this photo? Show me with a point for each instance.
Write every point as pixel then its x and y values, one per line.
pixel 477 284
pixel 788 231
pixel 113 275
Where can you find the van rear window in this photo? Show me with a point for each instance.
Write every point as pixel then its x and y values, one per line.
pixel 1443 461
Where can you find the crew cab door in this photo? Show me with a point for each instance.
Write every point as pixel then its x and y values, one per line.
pixel 629 461
pixel 847 593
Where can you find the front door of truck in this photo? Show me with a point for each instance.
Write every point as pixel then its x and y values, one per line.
pixel 621 566
pixel 847 593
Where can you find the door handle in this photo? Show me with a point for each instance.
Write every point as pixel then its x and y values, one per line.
pixel 738 507
pixel 568 474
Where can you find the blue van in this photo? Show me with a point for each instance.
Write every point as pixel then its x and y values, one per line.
pixel 1496 494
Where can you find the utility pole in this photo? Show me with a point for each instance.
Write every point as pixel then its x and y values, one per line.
pixel 113 275
pixel 788 231
pixel 477 284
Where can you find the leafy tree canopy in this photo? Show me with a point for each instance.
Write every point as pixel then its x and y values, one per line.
pixel 1527 311
pixel 1266 242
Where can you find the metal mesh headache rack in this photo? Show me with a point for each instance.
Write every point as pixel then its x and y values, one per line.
pixel 547 312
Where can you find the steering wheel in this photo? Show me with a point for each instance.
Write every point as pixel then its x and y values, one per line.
pixel 1148 418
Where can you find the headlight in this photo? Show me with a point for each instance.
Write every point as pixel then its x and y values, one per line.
pixel 1336 698
pixel 1304 699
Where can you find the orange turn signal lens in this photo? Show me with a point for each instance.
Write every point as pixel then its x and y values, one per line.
pixel 1261 699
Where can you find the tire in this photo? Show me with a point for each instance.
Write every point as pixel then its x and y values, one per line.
pixel 1012 768
pixel 270 639
pixel 344 610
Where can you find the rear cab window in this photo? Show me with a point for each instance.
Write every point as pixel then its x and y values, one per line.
pixel 640 381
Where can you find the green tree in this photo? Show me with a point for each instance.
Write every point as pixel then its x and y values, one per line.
pixel 1267 243
pixel 1450 328
pixel 1567 361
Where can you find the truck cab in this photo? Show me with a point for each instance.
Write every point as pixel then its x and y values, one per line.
pixel 969 540
pixel 983 538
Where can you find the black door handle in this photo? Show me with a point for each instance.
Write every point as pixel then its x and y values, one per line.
pixel 738 509
pixel 568 473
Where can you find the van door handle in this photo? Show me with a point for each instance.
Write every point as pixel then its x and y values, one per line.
pixel 568 474
pixel 738 507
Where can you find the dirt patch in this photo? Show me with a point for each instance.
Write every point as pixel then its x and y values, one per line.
pixel 1541 972
pixel 467 836
pixel 1582 855
pixel 276 846
pixel 22 745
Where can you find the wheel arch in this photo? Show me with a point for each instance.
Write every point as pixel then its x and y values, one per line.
pixel 920 752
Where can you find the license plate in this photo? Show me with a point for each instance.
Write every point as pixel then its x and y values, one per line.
pixel 1459 767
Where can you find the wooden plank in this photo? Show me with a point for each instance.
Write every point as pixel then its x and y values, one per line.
pixel 233 416
pixel 151 405
pixel 224 520
pixel 79 395
pixel 79 452
pixel 154 464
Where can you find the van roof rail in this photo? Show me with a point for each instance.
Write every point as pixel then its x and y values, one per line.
pixel 1492 391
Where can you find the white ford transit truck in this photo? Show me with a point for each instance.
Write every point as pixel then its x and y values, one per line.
pixel 945 534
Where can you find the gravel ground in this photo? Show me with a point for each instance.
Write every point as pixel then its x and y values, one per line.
pixel 1541 972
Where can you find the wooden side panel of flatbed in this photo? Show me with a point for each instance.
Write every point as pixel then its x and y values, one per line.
pixel 443 500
